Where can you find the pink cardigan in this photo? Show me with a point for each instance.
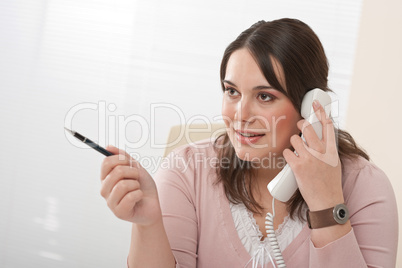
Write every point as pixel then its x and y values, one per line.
pixel 202 233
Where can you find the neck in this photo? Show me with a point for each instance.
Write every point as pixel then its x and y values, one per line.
pixel 268 167
pixel 263 173
pixel 267 175
pixel 262 177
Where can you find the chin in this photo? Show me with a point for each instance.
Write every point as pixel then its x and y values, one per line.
pixel 271 159
pixel 252 155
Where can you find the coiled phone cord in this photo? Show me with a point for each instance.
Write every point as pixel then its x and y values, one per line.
pixel 269 228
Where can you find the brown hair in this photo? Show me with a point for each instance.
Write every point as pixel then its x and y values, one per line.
pixel 299 51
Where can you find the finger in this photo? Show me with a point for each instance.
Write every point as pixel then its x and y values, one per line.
pixel 120 157
pixel 309 134
pixel 298 144
pixel 122 188
pixel 118 173
pixel 116 150
pixel 322 116
pixel 328 129
pixel 127 203
pixel 290 156
pixel 330 138
pixel 110 162
pixel 124 156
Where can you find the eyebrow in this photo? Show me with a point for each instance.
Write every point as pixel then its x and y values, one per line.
pixel 254 88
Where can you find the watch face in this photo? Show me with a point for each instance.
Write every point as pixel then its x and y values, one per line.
pixel 341 214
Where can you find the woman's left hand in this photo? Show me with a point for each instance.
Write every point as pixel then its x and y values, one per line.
pixel 317 167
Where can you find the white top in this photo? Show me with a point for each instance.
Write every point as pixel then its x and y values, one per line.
pixel 250 234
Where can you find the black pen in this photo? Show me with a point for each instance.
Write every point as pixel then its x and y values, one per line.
pixel 89 142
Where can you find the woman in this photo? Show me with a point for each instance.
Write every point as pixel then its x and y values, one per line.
pixel 210 206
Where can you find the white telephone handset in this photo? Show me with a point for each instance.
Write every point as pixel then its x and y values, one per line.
pixel 283 186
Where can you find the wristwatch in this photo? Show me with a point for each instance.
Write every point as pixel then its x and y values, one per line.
pixel 327 217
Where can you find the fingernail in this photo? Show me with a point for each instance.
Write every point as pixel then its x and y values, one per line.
pixel 316 104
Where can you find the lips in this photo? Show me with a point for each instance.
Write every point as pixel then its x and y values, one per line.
pixel 248 137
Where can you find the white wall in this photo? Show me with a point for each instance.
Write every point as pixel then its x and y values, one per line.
pixel 374 112
pixel 117 58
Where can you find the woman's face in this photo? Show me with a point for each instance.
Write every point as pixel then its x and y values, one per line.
pixel 259 119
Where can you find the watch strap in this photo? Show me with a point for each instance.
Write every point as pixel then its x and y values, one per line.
pixel 327 217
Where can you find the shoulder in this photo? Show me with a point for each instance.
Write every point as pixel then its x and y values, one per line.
pixel 359 168
pixel 199 152
pixel 190 161
pixel 364 182
pixel 189 171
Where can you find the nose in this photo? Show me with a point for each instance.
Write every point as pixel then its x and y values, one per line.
pixel 244 111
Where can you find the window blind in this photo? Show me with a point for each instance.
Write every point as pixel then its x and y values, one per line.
pixel 110 70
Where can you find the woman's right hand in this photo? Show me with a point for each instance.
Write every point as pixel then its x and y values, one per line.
pixel 129 190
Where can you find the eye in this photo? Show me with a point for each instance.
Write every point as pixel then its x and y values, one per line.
pixel 265 97
pixel 231 91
